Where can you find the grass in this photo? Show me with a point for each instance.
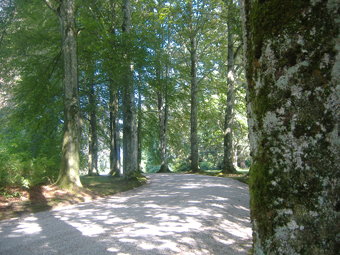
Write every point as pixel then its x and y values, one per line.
pixel 15 202
pixel 241 175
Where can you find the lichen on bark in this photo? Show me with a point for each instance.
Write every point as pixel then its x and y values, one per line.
pixel 292 51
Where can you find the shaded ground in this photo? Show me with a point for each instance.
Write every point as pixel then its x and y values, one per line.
pixel 16 202
pixel 172 214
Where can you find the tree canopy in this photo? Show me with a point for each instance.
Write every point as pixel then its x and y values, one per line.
pixel 156 48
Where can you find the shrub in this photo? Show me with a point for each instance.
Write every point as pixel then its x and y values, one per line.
pixel 19 170
pixel 206 166
pixel 152 169
pixel 181 166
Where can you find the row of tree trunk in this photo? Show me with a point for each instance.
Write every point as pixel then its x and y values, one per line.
pixel 65 11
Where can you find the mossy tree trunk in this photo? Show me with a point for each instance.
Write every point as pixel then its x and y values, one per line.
pixel 292 51
pixel 69 170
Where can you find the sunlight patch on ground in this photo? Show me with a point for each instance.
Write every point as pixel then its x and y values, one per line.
pixel 188 240
pixel 225 242
pixel 118 220
pixel 147 246
pixel 216 185
pixel 191 186
pixel 28 227
pixel 112 249
pixel 88 229
pixel 170 245
pixel 193 210
pixel 152 206
pixel 194 202
pixel 217 205
pixel 236 229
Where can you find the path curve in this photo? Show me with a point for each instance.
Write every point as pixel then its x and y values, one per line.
pixel 172 214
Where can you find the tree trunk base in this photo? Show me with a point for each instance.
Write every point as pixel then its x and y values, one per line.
pixel 164 169
pixel 229 170
pixel 115 174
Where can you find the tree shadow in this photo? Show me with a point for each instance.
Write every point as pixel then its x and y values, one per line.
pixel 174 214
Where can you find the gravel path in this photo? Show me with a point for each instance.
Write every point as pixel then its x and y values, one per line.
pixel 172 214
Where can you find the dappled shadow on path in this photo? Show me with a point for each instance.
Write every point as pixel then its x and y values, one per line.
pixel 174 214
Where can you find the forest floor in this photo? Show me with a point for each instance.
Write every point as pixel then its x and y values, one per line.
pixel 15 202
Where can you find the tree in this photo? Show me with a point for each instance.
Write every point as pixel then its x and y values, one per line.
pixel 114 100
pixel 114 132
pixel 129 114
pixel 194 90
pixel 93 136
pixel 292 69
pixel 227 165
pixel 69 170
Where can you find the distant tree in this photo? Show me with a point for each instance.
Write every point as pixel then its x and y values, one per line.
pixel 93 134
pixel 292 51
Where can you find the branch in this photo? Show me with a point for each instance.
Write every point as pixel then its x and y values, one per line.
pixel 50 5
pixel 206 74
pixel 237 50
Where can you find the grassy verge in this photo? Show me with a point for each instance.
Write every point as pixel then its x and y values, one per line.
pixel 15 201
pixel 241 175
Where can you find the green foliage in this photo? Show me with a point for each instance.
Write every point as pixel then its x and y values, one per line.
pixel 152 169
pixel 20 170
pixel 207 166
pixel 180 166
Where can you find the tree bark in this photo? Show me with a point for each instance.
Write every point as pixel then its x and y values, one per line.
pixel 129 114
pixel 162 115
pixel 228 166
pixel 69 170
pixel 139 130
pixel 292 51
pixel 194 89
pixel 93 137
pixel 114 108
pixel 114 133
pixel 162 112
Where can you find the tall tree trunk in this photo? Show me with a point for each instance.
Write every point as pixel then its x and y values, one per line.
pixel 114 108
pixel 93 137
pixel 139 130
pixel 162 115
pixel 69 169
pixel 161 112
pixel 114 133
pixel 194 89
pixel 228 166
pixel 292 51
pixel 129 114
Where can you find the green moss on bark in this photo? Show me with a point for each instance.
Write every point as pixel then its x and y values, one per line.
pixel 291 54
